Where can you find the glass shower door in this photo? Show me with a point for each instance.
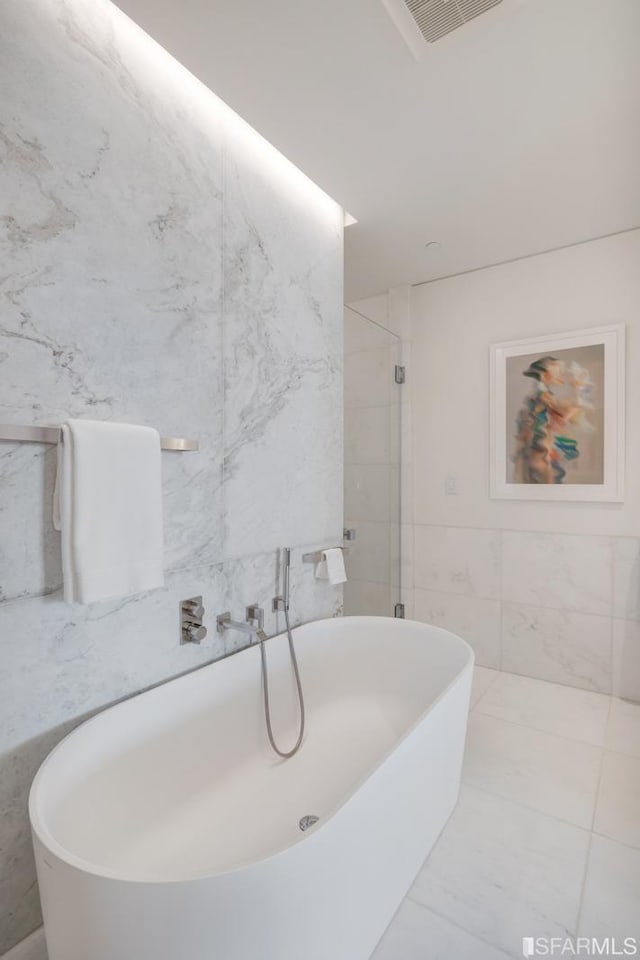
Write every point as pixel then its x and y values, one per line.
pixel 371 466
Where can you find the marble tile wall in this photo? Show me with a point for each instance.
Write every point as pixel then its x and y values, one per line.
pixel 558 607
pixel 161 264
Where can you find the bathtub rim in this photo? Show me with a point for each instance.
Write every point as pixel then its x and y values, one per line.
pixel 70 859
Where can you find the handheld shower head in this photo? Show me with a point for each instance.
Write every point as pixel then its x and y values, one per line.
pixel 282 602
pixel 286 561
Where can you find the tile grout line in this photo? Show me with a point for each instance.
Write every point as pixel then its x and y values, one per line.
pixel 591 832
pixel 524 806
pixel 515 603
pixel 532 533
pixel 616 753
pixel 501 599
pixel 612 605
pixel 527 726
pixel 182 569
pixel 492 682
pixel 555 683
pixel 604 836
pixel 457 925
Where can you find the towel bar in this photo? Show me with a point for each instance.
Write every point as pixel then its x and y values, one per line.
pixel 15 432
pixel 316 556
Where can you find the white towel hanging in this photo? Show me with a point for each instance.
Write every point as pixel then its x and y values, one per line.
pixel 108 507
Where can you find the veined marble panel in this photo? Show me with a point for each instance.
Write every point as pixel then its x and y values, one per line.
pixel 557 645
pixel 258 579
pixel 557 570
pixel 64 661
pixel 457 560
pixel 282 359
pixel 162 265
pixel 474 619
pixel 112 282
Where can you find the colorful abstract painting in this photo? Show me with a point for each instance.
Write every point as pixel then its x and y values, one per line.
pixel 555 417
pixel 557 428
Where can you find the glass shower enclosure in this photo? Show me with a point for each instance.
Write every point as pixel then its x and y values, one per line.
pixel 372 463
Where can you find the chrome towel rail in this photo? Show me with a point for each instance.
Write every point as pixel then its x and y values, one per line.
pixel 317 555
pixel 23 434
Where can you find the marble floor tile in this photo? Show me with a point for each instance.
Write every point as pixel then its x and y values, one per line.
pixel 618 808
pixel 550 774
pixel 611 904
pixel 626 659
pixel 623 729
pixel 501 872
pixel 566 711
pixel 626 578
pixel 32 948
pixel 416 933
pixel 483 678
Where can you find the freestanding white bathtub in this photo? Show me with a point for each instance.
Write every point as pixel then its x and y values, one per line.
pixel 166 829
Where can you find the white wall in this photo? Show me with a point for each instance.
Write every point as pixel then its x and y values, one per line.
pixel 453 323
pixel 161 264
pixel 546 590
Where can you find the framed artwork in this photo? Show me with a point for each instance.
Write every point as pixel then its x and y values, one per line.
pixel 557 416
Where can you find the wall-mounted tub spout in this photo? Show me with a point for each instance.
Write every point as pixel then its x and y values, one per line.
pixel 253 624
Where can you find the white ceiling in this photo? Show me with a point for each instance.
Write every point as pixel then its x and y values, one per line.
pixel 517 133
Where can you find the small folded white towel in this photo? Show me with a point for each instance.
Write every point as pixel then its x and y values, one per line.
pixel 108 507
pixel 331 567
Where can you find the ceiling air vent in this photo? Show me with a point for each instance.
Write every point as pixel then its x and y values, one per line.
pixel 433 19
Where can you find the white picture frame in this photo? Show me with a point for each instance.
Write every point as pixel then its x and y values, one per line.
pixel 611 488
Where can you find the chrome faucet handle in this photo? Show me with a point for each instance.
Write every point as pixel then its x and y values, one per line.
pixel 255 615
pixel 191 633
pixel 223 621
pixel 193 609
pixel 191 617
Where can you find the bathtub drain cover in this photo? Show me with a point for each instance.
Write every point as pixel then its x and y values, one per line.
pixel 308 821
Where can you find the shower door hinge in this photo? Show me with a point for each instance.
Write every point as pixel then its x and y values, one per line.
pixel 398 611
pixel 400 376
